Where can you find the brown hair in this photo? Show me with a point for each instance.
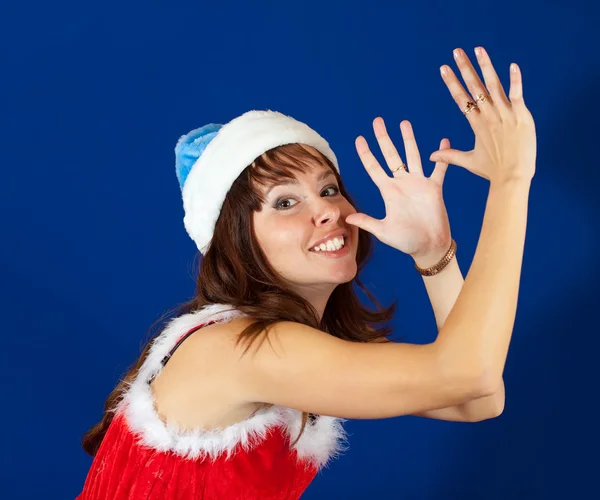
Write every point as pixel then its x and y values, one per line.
pixel 236 272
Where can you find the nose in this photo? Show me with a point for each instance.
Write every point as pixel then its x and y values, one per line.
pixel 326 213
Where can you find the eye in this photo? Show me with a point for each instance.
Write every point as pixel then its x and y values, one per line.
pixel 337 190
pixel 278 203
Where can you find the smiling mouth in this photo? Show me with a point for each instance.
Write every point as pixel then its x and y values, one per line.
pixel 335 251
pixel 333 247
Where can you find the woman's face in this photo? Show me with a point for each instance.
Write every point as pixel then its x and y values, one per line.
pixel 295 217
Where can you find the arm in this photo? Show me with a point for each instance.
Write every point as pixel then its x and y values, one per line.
pixel 443 289
pixel 504 153
pixel 304 368
pixel 309 370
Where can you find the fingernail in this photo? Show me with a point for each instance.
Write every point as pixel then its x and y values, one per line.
pixel 434 158
pixel 456 54
pixel 477 51
pixel 513 67
pixel 443 70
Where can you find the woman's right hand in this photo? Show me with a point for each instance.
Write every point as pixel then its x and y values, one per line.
pixel 505 138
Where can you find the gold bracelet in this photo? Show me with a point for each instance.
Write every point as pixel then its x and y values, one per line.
pixel 432 271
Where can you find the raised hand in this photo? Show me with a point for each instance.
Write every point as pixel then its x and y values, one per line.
pixel 505 137
pixel 416 220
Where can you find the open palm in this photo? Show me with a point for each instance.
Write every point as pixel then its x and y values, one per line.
pixel 416 220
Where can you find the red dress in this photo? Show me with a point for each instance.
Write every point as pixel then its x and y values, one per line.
pixel 141 457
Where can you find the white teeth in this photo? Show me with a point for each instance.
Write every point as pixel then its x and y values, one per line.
pixel 330 245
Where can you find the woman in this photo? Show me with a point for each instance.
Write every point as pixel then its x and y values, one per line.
pixel 222 414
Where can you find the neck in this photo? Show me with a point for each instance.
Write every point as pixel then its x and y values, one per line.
pixel 317 296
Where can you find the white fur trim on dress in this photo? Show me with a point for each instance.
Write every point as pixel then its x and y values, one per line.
pixel 237 144
pixel 320 441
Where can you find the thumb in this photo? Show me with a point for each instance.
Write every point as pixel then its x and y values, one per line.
pixel 450 156
pixel 439 171
pixel 365 222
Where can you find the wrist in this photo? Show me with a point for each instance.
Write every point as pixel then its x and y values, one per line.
pixel 519 183
pixel 432 257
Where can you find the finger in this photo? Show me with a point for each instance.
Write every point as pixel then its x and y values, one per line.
pixel 390 153
pixel 461 98
pixel 365 222
pixel 440 169
pixel 413 157
pixel 452 157
pixel 492 82
pixel 474 83
pixel 516 86
pixel 370 163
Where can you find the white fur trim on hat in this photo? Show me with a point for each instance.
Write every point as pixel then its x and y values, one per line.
pixel 237 145
pixel 320 441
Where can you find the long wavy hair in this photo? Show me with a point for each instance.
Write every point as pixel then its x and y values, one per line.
pixel 236 272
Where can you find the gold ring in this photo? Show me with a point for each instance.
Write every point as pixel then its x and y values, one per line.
pixel 481 98
pixel 403 167
pixel 470 107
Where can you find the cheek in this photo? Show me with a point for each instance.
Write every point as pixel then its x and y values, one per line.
pixel 348 209
pixel 283 236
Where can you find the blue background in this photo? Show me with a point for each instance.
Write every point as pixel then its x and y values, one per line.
pixel 94 96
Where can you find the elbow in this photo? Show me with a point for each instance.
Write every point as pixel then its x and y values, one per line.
pixel 488 406
pixel 487 385
pixel 499 399
pixel 499 409
pixel 494 411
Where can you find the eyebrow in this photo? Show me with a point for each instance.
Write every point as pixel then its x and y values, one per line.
pixel 323 176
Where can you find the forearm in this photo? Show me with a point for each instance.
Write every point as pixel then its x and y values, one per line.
pixel 443 289
pixel 476 334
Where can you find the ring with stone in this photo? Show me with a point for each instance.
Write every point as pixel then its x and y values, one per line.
pixel 470 107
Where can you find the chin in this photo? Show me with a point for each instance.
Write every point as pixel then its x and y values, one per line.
pixel 340 276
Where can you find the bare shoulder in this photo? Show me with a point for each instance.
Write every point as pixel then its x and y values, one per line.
pixel 197 387
pixel 209 354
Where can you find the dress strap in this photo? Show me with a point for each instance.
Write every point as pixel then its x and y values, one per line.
pixel 163 361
